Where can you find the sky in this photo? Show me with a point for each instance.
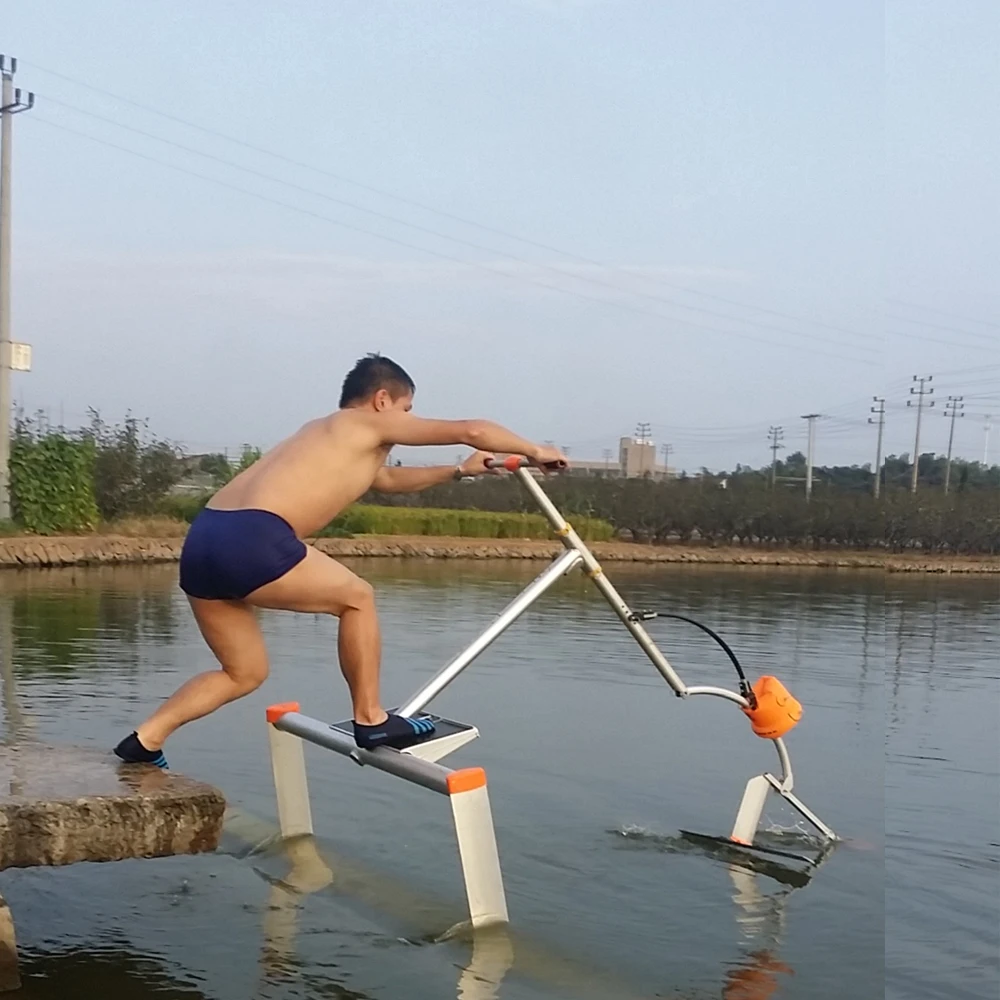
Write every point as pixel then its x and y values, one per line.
pixel 569 216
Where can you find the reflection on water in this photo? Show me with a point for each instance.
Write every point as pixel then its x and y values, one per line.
pixel 901 671
pixel 115 971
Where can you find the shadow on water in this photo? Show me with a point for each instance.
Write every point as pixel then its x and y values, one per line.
pixel 111 972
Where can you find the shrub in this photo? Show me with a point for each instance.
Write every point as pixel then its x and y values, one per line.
pixel 51 479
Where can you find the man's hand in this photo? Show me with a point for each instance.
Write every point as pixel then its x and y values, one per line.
pixel 549 459
pixel 475 464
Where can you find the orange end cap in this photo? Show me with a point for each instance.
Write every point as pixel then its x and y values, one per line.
pixel 736 840
pixel 466 780
pixel 512 463
pixel 275 712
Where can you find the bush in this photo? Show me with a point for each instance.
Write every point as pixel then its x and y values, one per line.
pixel 51 479
pixel 370 519
pixel 132 473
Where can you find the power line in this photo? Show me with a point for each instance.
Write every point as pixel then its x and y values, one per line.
pixel 740 335
pixel 909 335
pixel 436 211
pixel 561 272
pixel 942 312
pixel 991 337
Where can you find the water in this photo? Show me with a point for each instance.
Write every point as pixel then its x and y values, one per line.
pixel 594 766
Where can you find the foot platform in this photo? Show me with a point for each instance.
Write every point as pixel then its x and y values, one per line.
pixel 447 737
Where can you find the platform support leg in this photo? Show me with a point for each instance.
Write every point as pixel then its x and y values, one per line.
pixel 748 817
pixel 10 977
pixel 477 847
pixel 291 786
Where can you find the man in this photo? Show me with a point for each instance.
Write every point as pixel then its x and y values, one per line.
pixel 245 550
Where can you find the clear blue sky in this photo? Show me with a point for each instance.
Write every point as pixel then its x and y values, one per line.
pixel 836 164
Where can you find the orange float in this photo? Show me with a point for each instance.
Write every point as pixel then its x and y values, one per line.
pixel 776 711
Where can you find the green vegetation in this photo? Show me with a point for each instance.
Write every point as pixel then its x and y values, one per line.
pixel 132 471
pixel 70 481
pixel 51 479
pixel 67 481
pixel 744 509
pixel 370 519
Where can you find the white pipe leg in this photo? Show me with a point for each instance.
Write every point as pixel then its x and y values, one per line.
pixel 291 786
pixel 748 817
pixel 477 847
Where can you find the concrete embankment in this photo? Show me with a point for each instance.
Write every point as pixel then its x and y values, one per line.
pixel 103 550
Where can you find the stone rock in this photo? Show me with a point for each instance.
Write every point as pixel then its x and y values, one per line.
pixel 60 805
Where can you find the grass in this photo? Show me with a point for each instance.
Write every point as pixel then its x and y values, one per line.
pixel 154 526
pixel 369 519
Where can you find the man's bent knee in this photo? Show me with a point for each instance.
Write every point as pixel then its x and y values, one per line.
pixel 247 683
pixel 358 595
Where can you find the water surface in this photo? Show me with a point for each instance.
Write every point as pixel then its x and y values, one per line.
pixel 594 766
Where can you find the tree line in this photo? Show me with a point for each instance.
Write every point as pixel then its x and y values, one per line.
pixel 743 508
pixel 71 480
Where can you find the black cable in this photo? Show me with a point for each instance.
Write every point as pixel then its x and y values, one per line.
pixel 745 688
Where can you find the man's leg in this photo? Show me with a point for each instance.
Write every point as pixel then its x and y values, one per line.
pixel 320 585
pixel 230 628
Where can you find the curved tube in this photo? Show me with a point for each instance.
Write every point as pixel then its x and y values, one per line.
pixel 787 778
pixel 732 696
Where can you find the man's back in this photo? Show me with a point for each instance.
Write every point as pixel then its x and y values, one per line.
pixel 313 475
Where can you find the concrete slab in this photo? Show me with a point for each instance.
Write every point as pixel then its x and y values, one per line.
pixel 62 804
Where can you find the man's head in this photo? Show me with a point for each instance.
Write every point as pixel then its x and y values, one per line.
pixel 379 383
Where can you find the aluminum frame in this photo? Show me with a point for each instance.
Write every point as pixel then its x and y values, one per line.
pixel 465 789
pixel 577 553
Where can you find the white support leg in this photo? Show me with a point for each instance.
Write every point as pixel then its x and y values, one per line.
pixel 751 808
pixel 288 763
pixel 10 977
pixel 477 847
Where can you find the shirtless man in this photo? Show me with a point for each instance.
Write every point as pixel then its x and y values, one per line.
pixel 245 550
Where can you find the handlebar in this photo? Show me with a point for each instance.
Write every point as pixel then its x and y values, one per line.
pixel 512 462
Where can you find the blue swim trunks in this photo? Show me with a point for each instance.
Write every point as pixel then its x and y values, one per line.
pixel 229 554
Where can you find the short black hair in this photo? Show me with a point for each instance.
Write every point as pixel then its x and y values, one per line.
pixel 371 373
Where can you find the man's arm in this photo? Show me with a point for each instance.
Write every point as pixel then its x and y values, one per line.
pixel 400 428
pixel 391 479
pixel 395 479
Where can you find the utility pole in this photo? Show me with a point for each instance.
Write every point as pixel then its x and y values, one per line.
pixel 667 449
pixel 10 105
pixel 642 431
pixel 919 393
pixel 775 434
pixel 986 443
pixel 953 408
pixel 812 418
pixel 879 410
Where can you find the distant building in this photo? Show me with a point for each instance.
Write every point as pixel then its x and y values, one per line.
pixel 636 460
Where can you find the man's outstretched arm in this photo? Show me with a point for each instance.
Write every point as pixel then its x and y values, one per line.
pixel 483 435
pixel 395 479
